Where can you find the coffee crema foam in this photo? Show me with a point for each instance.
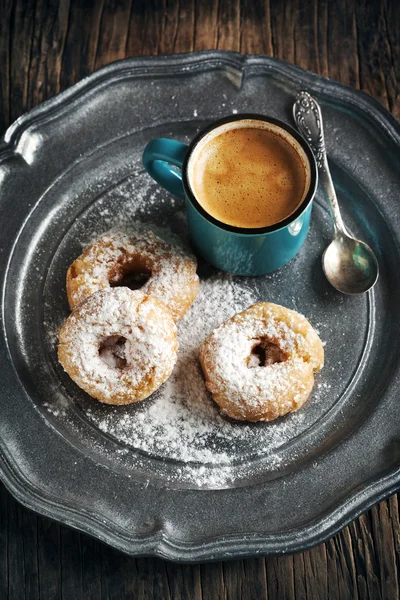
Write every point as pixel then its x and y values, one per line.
pixel 248 174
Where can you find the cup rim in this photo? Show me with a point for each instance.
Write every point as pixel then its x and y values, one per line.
pixel 255 230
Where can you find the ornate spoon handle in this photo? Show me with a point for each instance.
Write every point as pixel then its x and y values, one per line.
pixel 308 118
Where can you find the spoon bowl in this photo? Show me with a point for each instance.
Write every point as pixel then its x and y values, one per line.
pixel 350 265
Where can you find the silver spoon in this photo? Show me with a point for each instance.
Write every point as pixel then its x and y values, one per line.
pixel 349 264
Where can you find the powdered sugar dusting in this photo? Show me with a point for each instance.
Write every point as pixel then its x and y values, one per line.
pixel 173 271
pixel 148 353
pixel 252 392
pixel 179 424
pixel 181 421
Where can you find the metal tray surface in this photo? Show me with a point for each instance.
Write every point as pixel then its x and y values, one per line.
pixel 71 168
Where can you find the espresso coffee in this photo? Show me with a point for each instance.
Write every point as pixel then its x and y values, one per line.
pixel 249 176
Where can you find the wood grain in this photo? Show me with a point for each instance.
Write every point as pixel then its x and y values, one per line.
pixel 46 46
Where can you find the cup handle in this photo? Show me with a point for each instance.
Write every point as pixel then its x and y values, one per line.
pixel 160 159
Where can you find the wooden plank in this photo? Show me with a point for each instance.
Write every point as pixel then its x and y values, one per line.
pixel 206 25
pixel 321 26
pixel 184 581
pixel 135 42
pixel 228 37
pixel 5 65
pixel 282 28
pixel 90 568
pixel 49 558
pixel 160 27
pixel 81 42
pixel 151 580
pixel 21 46
pixel 382 531
pixel 305 28
pixel 120 579
pixel 212 581
pixel 49 37
pixel 234 579
pixel 342 576
pixel 255 28
pixel 391 23
pixel 113 32
pixel 4 549
pixel 16 562
pixel 300 581
pixel 342 43
pixel 365 558
pixel 254 581
pixel 71 561
pixel 29 524
pixel 373 49
pixel 393 504
pixel 184 38
pixel 316 572
pixel 280 577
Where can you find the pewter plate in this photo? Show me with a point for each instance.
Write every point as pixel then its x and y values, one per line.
pixel 70 169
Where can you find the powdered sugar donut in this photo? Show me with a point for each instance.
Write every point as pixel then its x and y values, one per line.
pixel 119 345
pixel 259 365
pixel 128 252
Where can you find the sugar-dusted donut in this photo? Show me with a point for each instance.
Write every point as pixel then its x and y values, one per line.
pixel 119 345
pixel 259 365
pixel 170 270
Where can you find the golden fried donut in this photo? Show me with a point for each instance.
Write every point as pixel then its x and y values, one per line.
pixel 169 270
pixel 119 345
pixel 259 365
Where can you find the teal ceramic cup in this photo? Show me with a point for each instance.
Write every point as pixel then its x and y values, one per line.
pixel 241 251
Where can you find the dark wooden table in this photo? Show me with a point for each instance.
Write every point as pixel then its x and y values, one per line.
pixel 46 46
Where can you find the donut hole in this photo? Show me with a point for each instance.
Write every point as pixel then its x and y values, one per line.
pixel 265 353
pixel 133 274
pixel 112 351
pixel 133 281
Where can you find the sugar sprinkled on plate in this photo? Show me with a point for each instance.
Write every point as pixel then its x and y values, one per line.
pixel 180 421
